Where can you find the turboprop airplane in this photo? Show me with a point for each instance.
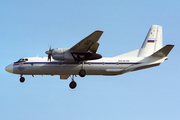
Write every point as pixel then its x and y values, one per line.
pixel 82 59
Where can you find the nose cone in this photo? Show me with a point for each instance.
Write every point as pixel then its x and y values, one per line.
pixel 9 68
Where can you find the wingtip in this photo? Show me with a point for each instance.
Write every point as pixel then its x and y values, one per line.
pixel 99 31
pixel 170 45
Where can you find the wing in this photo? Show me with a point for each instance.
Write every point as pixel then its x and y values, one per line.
pixel 88 44
pixel 86 48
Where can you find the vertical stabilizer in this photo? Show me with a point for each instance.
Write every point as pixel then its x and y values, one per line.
pixel 152 42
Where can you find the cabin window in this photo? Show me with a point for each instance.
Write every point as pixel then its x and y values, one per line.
pixel 103 63
pixel 89 63
pixel 117 63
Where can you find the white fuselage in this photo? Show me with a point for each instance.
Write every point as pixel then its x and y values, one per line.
pixel 103 66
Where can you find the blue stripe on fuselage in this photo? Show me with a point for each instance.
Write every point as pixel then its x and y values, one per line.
pixel 75 63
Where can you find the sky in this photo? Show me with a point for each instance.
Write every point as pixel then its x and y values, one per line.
pixel 28 27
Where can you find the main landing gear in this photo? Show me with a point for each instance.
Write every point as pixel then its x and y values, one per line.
pixel 82 72
pixel 72 84
pixel 22 79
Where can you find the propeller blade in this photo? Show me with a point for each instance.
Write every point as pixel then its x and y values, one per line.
pixel 49 53
pixel 49 57
pixel 49 49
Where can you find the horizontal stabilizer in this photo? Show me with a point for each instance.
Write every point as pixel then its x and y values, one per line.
pixel 163 52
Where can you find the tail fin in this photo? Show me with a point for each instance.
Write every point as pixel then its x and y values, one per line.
pixel 152 42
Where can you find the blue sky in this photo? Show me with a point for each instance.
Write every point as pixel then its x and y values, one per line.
pixel 28 27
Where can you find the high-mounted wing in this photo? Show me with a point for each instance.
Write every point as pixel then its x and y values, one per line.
pixel 88 44
pixel 86 48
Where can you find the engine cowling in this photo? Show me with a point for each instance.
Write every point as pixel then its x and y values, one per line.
pixel 62 54
pixel 59 50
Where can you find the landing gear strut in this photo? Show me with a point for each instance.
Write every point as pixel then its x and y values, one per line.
pixel 82 72
pixel 22 79
pixel 72 84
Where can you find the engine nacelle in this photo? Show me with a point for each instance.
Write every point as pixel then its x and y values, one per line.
pixel 59 50
pixel 62 54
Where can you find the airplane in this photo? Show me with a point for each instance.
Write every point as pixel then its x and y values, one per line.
pixel 82 59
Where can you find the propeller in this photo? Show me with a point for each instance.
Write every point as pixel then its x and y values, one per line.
pixel 49 53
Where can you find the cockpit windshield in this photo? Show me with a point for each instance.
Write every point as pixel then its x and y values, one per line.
pixel 22 60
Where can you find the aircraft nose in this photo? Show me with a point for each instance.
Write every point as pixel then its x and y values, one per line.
pixel 9 68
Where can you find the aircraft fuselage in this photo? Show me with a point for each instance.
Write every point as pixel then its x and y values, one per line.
pixel 40 66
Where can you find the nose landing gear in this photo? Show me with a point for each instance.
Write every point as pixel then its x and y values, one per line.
pixel 22 79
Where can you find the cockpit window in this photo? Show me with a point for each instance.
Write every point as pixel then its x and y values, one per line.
pixel 22 60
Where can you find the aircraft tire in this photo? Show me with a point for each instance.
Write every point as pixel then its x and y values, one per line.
pixel 22 79
pixel 72 84
pixel 82 73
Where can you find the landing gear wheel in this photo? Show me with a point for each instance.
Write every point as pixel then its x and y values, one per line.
pixel 82 73
pixel 72 84
pixel 22 79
